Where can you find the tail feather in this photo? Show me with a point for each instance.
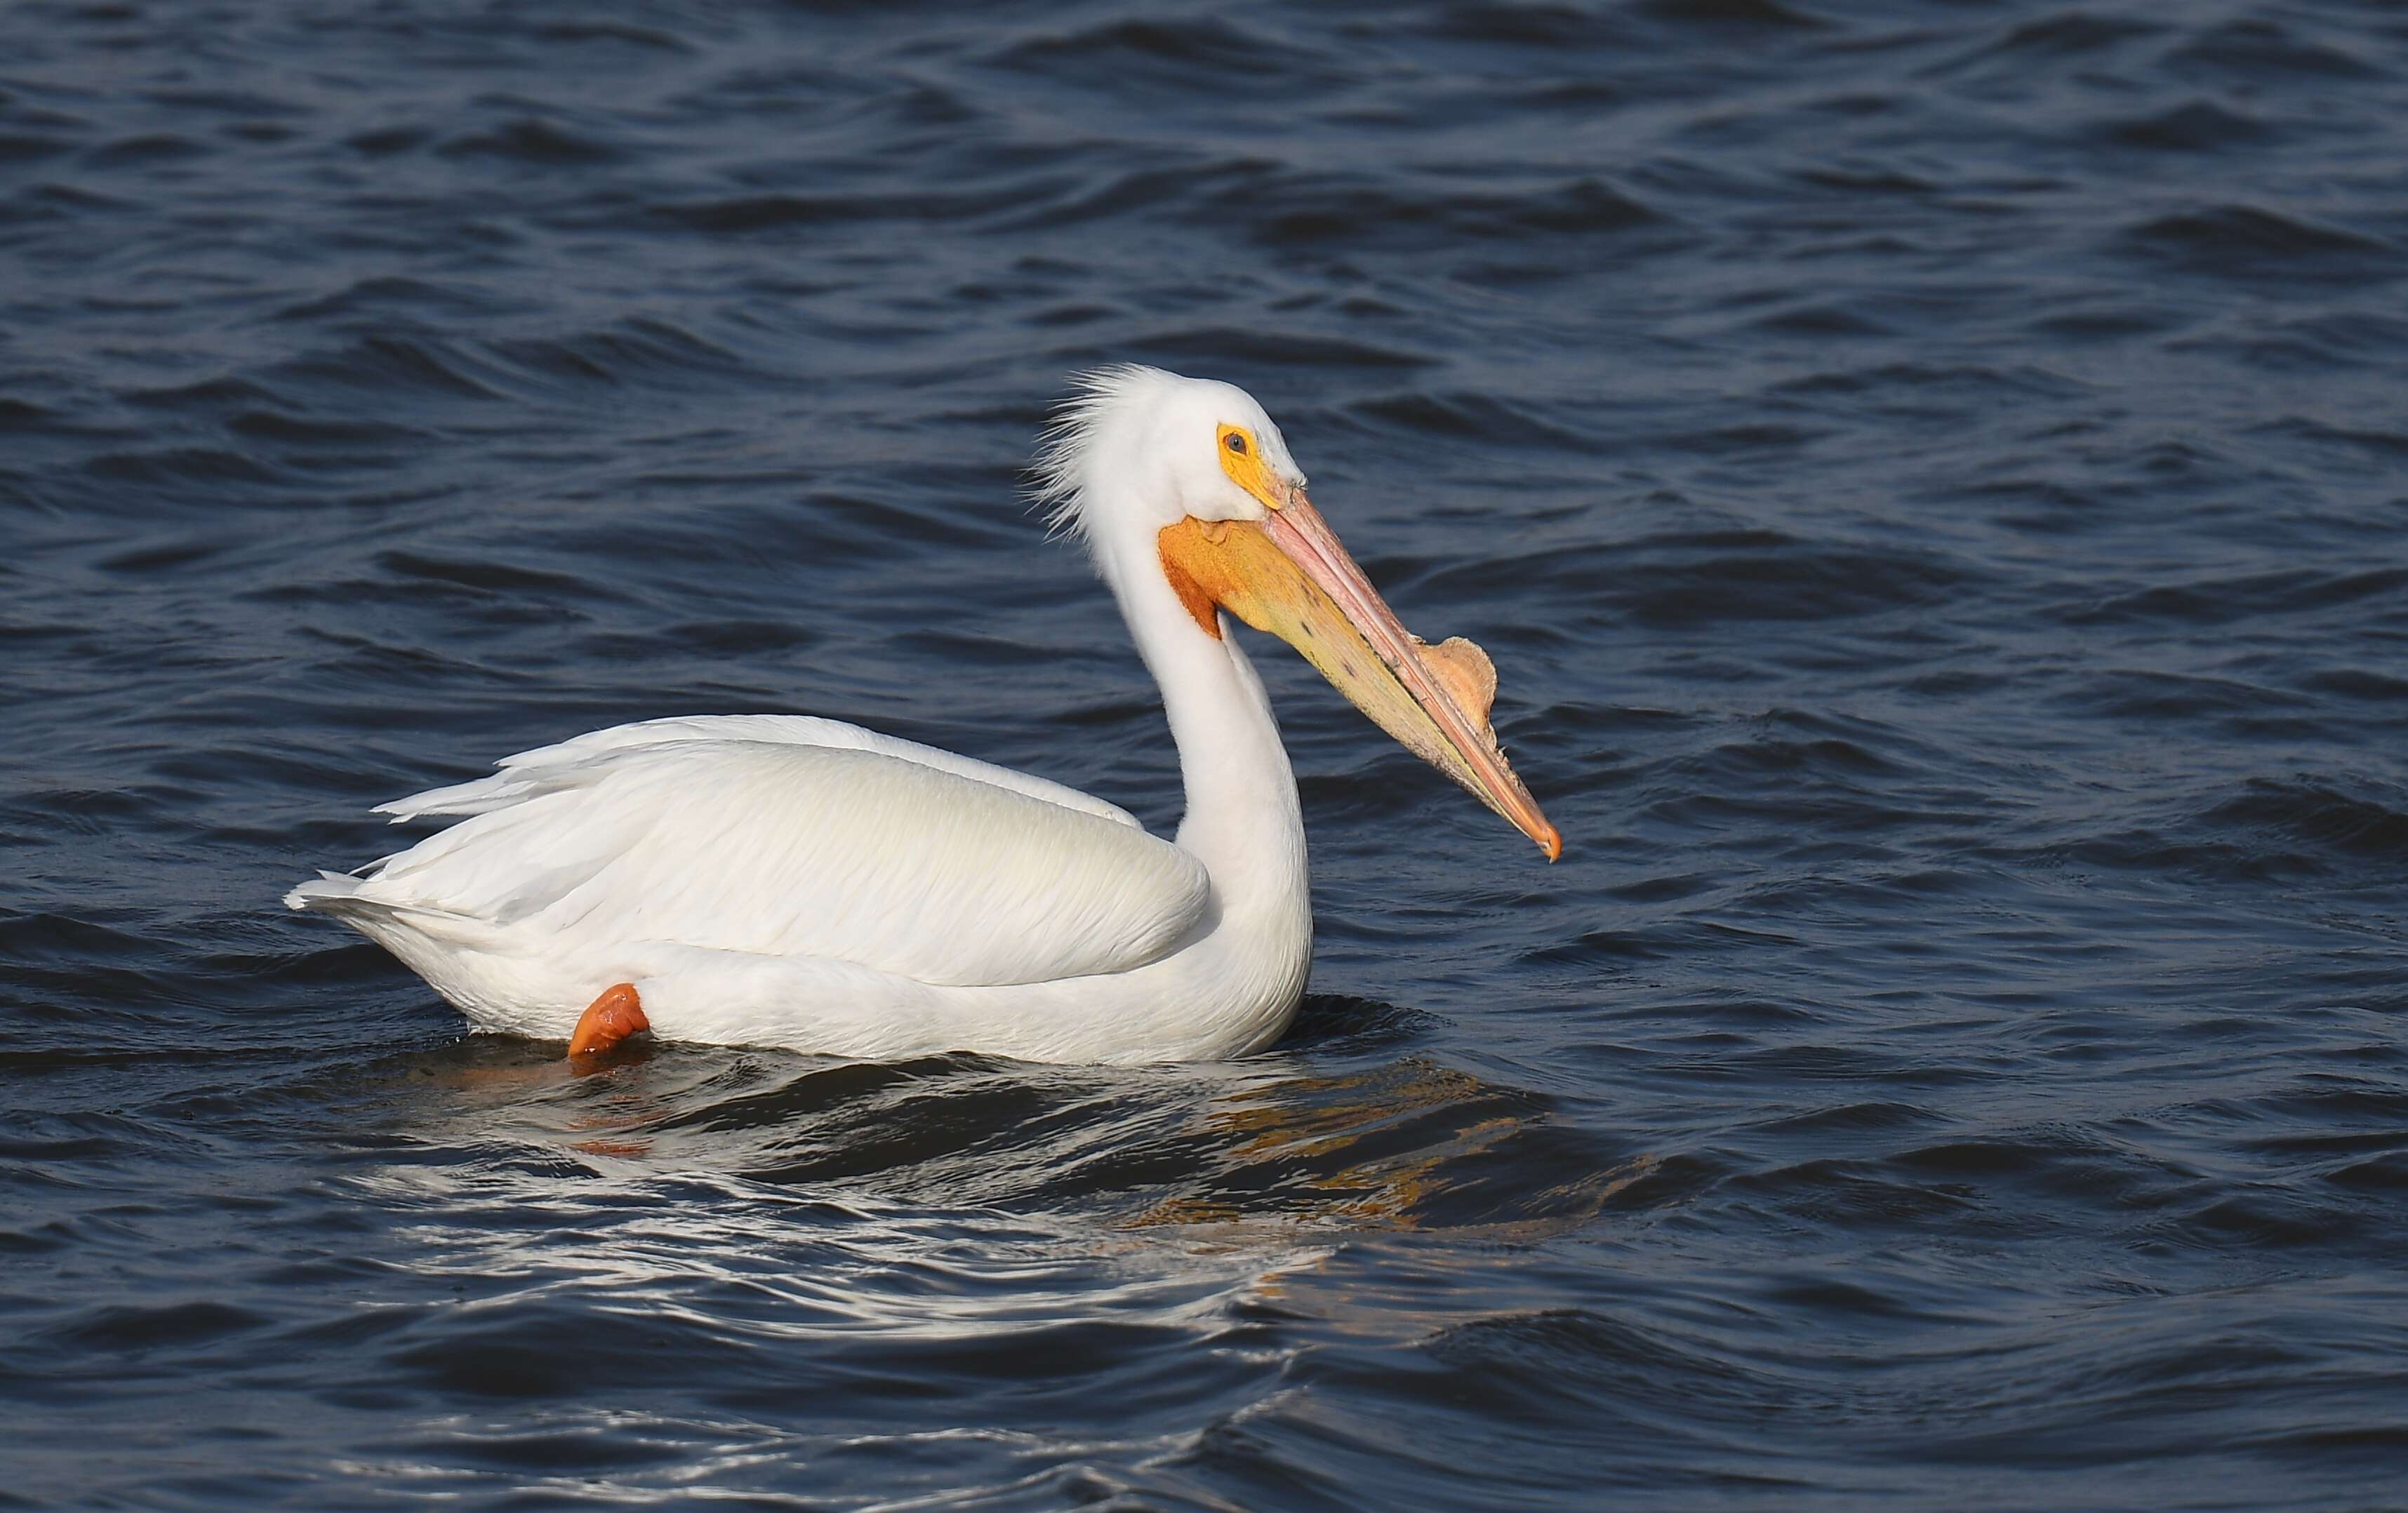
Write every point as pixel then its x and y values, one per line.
pixel 326 893
pixel 344 896
pixel 482 795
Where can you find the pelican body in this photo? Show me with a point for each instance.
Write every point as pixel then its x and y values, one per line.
pixel 779 879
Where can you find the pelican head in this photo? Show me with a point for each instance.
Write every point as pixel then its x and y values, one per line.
pixel 1189 480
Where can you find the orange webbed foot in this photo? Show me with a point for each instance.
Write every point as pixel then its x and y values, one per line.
pixel 608 1021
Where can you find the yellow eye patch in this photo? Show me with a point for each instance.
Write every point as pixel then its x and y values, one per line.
pixel 1241 458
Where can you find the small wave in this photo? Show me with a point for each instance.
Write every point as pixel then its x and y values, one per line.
pixel 1822 320
pixel 2388 445
pixel 613 33
pixel 2319 817
pixel 213 467
pixel 744 214
pixel 125 1327
pixel 2249 242
pixel 1469 416
pixel 420 365
pixel 2357 683
pixel 487 575
pixel 2073 34
pixel 17 146
pixel 206 396
pixel 1311 209
pixel 2261 52
pixel 389 141
pixel 383 297
pixel 25 415
pixel 1579 28
pixel 2221 601
pixel 2272 831
pixel 1683 939
pixel 1751 15
pixel 2193 126
pixel 1528 1360
pixel 1177 58
pixel 1688 580
pixel 2133 693
pixel 1864 178
pixel 1252 345
pixel 276 426
pixel 1135 190
pixel 534 141
pixel 1878 1117
pixel 142 151
pixel 633 350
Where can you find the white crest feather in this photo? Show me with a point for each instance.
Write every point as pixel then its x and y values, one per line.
pixel 1058 472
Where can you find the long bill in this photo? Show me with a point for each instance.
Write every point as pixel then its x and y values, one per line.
pixel 1287 575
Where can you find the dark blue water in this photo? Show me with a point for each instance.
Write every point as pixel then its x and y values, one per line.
pixel 1934 480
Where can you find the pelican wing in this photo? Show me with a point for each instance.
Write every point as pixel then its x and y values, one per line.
pixel 785 836
pixel 530 771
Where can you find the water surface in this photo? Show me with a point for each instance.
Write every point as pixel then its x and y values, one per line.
pixel 1933 481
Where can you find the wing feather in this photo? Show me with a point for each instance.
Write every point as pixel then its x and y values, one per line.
pixel 801 838
pixel 531 772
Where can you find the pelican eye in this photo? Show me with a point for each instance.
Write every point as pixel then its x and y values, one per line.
pixel 1236 443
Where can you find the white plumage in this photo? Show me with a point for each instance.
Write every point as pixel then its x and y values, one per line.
pixel 779 879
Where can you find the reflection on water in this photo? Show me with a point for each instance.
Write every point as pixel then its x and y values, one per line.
pixel 1278 1143
pixel 749 1229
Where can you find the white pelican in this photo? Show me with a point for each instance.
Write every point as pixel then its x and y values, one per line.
pixel 777 880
